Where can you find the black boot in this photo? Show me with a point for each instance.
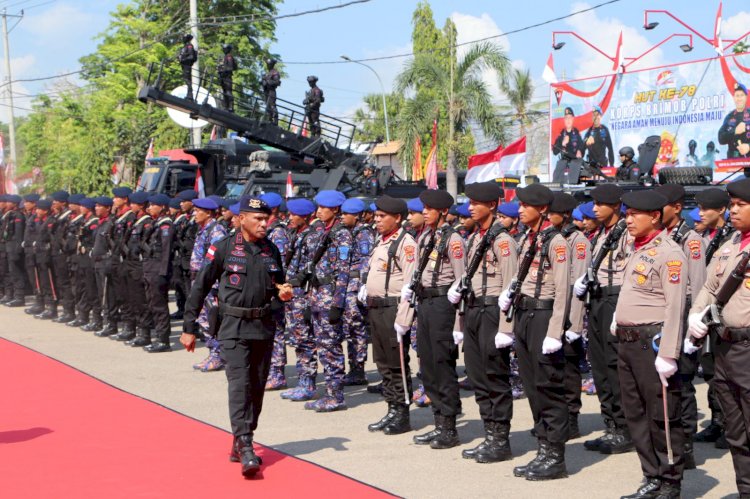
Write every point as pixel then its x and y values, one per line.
pixel 648 489
pixel 94 325
pixel 158 347
pixel 400 422
pixel 472 453
pixel 596 444
pixel 619 443
pixel 541 454
pixel 375 388
pixel 65 318
pixel 378 426
pixel 669 490
pixel 573 430
pixel 447 436
pixel 109 329
pixel 426 438
pixel 18 302
pixel 142 338
pixel 78 321
pixel 127 333
pixel 498 446
pixel 712 432
pixel 355 377
pixel 35 309
pixel 49 314
pixel 689 455
pixel 250 462
pixel 721 442
pixel 5 299
pixel 551 467
pixel 177 316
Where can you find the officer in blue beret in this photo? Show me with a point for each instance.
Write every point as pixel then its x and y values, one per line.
pixel 507 213
pixel 60 268
pixel 735 130
pixel 187 195
pixel 414 224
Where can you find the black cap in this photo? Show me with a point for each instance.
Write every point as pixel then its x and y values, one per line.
pixel 535 195
pixel 312 79
pixel 391 205
pixel 644 200
pixel 740 189
pixel 485 192
pixel 435 199
pixel 673 192
pixel 562 203
pixel 569 111
pixel 186 38
pixel 253 204
pixel 712 199
pixel 607 193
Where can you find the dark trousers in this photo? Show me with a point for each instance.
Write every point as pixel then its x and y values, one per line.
pixel 313 122
pixel 543 376
pixel 642 402
pixel 32 274
pixel 226 90
pixel 574 352
pixel 272 113
pixel 135 294
pixel 88 302
pixel 187 77
pixel 248 362
pixel 732 387
pixel 106 291
pixel 438 354
pixel 180 291
pixel 61 272
pixel 687 368
pixel 386 355
pixel 119 299
pixel 488 368
pixel 707 363
pixel 6 286
pixel 46 278
pixel 157 290
pixel 603 358
pixel 16 273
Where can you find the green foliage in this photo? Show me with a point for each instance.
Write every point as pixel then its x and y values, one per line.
pixel 370 120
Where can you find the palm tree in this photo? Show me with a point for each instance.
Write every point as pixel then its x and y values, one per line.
pixel 741 47
pixel 519 89
pixel 461 90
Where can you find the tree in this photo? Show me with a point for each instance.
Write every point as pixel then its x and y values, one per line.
pixel 370 120
pixel 741 47
pixel 519 88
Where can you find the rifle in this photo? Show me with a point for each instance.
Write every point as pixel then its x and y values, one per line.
pixel 416 278
pixel 308 272
pixel 464 285
pixel 514 292
pixel 590 279
pixel 719 238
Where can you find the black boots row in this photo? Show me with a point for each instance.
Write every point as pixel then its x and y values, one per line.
pixel 444 436
pixel 548 464
pixel 494 448
pixel 395 422
pixel 655 488
pixel 9 301
pixel 616 440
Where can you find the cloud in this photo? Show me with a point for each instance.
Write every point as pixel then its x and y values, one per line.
pixel 735 26
pixel 62 24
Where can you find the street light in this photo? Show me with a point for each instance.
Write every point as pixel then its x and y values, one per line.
pixel 558 46
pixel 650 26
pixel 685 47
pixel 382 89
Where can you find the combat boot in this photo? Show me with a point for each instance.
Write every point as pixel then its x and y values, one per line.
pixel 109 329
pixel 176 316
pixel 127 333
pixel 326 403
pixel 426 438
pixel 541 454
pixel 355 377
pixel 689 455
pixel 94 325
pixel 573 430
pixel 551 467
pixel 5 299
pixel 142 338
pixel 18 302
pixel 447 436
pixel 276 380
pixel 66 317
pixel 158 347
pixel 619 443
pixel 400 422
pixel 34 309
pixel 49 314
pixel 710 433
pixel 721 442
pixel 648 490
pixel 378 426
pixel 596 444
pixel 669 490
pixel 498 446
pixel 250 462
pixel 214 363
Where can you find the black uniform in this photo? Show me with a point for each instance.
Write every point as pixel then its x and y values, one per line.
pixel 227 67
pixel 70 248
pixel 157 271
pixel 32 273
pixel 184 239
pixel 187 57
pixel 88 302
pixel 101 254
pixel 43 257
pixel 730 139
pixel 271 82
pixel 600 152
pixel 13 235
pixel 575 144
pixel 628 170
pixel 61 265
pixel 120 229
pixel 313 99
pixel 135 290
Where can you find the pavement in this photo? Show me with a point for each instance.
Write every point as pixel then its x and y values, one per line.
pixel 340 440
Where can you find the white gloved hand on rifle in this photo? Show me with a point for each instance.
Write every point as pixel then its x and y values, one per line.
pixel 579 288
pixel 696 327
pixel 453 295
pixel 406 293
pixel 458 337
pixel 400 331
pixel 362 294
pixel 688 346
pixel 504 300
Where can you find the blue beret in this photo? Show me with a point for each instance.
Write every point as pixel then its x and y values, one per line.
pixel 587 210
pixel 372 207
pixel 175 203
pixel 235 209
pixel 463 210
pixel 187 195
pixel 453 210
pixel 121 192
pixel 76 198
pixel 227 202
pixel 13 198
pixel 695 214
pixel 88 203
pixel 61 196
pixel 330 199
pixel 740 86
pixel 353 206
pixel 577 215
pixel 140 197
pixel 44 204
pixel 509 210
pixel 253 204
pixel 415 205
pixel 31 198
pixel 272 199
pixel 301 207
pixel 103 200
pixel 159 199
pixel 206 204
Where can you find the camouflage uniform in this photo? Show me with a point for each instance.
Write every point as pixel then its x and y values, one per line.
pixel 278 235
pixel 356 329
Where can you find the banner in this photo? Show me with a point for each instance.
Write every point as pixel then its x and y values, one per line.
pixel 697 109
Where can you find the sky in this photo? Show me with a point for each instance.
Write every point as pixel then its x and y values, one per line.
pixel 53 35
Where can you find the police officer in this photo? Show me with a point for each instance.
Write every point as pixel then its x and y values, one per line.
pixel 569 143
pixel 89 304
pixel 539 327
pixel 226 69
pixel 313 99
pixel 60 262
pixel 157 271
pixel 590 222
pixel 648 325
pixel 43 258
pixel 29 238
pixel 139 232
pixel 439 330
pixel 487 338
pixel 331 266
pixel 249 270
pixel 5 283
pixel 507 213
pixel 187 56
pixel 388 270
pixel 628 169
pixel 70 247
pixel 122 220
pixel 101 254
pixel 13 235
pixel 598 141
pixel 415 219
pixel 731 382
pixel 270 82
pixel 356 329
pixel 735 130
pixel 185 230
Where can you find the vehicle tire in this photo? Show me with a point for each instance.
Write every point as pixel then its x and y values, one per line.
pixel 686 175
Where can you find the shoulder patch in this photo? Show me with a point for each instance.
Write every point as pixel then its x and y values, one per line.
pixel 581 251
pixel 409 252
pixel 674 268
pixel 210 253
pixel 457 249
pixel 695 249
pixel 505 248
pixel 561 253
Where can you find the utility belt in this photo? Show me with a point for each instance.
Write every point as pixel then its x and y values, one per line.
pixel 481 301
pixel 529 303
pixel 629 334
pixel 246 313
pixel 734 334
pixel 382 302
pixel 608 291
pixel 426 293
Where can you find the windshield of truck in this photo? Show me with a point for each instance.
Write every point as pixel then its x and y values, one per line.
pixel 149 181
pixel 231 189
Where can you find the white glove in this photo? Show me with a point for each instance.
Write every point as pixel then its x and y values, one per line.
pixel 504 300
pixel 689 347
pixel 406 293
pixel 458 337
pixel 572 336
pixel 579 288
pixel 550 345
pixel 696 327
pixel 400 331
pixel 503 340
pixel 665 367
pixel 613 326
pixel 362 294
pixel 454 296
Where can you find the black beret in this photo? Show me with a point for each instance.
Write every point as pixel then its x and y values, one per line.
pixel 713 198
pixel 60 196
pixel 535 195
pixel 435 199
pixel 569 111
pixel 44 204
pixel 485 192
pixel 607 193
pixel 673 192
pixel 740 189
pixel 122 192
pixel 562 203
pixel 391 205
pixel 644 200
pixel 253 204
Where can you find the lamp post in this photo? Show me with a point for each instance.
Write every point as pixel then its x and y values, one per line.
pixel 382 89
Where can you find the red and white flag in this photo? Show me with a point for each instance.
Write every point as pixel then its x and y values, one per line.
pixel 150 151
pixel 199 187
pixel 498 163
pixel 718 43
pixel 431 166
pixel 617 65
pixel 214 133
pixel 289 185
pixel 548 74
pixel 115 173
pixel 9 173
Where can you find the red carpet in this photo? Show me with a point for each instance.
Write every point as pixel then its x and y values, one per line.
pixel 66 434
